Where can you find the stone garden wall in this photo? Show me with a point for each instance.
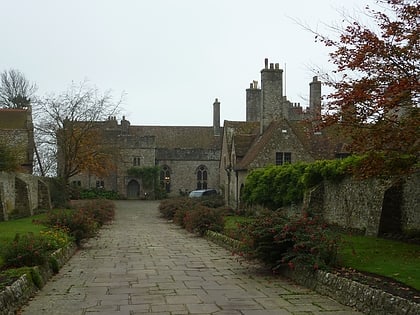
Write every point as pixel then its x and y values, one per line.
pixel 22 195
pixel 372 205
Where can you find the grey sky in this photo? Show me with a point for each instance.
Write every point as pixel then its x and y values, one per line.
pixel 171 57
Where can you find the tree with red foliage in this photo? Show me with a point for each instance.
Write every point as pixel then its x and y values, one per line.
pixel 376 89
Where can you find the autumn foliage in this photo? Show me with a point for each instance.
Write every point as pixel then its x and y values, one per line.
pixel 376 82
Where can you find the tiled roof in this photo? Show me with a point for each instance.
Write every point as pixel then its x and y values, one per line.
pixel 172 137
pixel 321 145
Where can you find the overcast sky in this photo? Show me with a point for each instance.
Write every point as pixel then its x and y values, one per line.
pixel 171 58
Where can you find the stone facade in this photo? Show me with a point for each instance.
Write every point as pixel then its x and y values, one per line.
pixel 276 131
pixel 16 130
pixel 370 205
pixel 188 157
pixel 22 195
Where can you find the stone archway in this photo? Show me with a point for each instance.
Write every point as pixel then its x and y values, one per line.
pixel 133 189
pixel 390 220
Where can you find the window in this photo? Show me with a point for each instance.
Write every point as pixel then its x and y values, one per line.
pixel 165 178
pixel 283 158
pixel 341 155
pixel 100 184
pixel 76 183
pixel 136 161
pixel 202 177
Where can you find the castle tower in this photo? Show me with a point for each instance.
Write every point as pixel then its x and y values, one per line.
pixel 271 94
pixel 253 102
pixel 315 97
pixel 216 117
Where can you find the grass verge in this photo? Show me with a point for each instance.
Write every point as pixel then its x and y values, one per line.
pixel 9 229
pixel 392 259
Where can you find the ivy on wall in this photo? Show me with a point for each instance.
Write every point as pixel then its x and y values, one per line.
pixel 149 175
pixel 277 186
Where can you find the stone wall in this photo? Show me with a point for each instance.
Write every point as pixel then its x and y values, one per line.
pixel 410 207
pixel 362 204
pixel 22 195
pixel 364 298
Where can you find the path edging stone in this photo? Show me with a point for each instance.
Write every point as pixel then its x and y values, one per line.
pixel 346 291
pixel 20 291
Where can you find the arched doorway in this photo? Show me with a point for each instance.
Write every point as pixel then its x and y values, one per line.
pixel 133 189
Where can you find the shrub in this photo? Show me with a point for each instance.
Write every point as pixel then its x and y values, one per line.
pixel 277 186
pixel 314 245
pixel 276 240
pixel 101 210
pixel 96 193
pixel 215 201
pixel 25 250
pixel 80 224
pixel 202 218
pixel 169 207
pixel 56 238
pixel 259 237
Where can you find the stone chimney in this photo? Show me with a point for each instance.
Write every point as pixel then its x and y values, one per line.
pixel 253 102
pixel 315 98
pixel 216 117
pixel 271 94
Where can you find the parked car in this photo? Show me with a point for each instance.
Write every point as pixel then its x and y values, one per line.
pixel 202 193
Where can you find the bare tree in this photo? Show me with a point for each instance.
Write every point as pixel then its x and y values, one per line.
pixel 15 90
pixel 67 127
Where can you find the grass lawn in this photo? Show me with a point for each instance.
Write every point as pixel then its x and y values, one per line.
pixel 8 229
pixel 396 260
pixel 393 259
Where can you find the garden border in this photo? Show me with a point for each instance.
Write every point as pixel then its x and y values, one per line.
pixel 19 292
pixel 346 291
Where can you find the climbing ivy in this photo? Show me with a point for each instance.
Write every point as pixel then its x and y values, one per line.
pixel 276 186
pixel 149 175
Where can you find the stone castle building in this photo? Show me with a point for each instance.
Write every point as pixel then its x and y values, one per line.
pixel 276 131
pixel 188 157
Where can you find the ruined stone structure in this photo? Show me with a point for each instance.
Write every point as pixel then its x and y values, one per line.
pixel 17 131
pixel 22 195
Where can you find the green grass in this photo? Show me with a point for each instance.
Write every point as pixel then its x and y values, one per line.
pixel 393 259
pixel 231 225
pixel 396 260
pixel 9 229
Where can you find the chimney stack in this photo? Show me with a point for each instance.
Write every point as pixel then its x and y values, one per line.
pixel 216 117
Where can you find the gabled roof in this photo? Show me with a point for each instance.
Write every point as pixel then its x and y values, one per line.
pixel 322 144
pixel 13 118
pixel 171 137
pixel 258 144
pixel 242 144
pixel 240 134
pixel 319 145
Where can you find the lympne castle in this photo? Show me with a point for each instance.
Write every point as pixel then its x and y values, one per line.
pixel 276 131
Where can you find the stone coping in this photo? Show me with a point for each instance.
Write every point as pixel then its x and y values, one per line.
pixel 346 291
pixel 19 292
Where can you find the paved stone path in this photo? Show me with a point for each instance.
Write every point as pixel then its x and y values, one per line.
pixel 142 264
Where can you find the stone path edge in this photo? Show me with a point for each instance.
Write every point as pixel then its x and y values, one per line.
pixel 346 291
pixel 20 291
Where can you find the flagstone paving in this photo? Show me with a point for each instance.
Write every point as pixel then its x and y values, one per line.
pixel 142 264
